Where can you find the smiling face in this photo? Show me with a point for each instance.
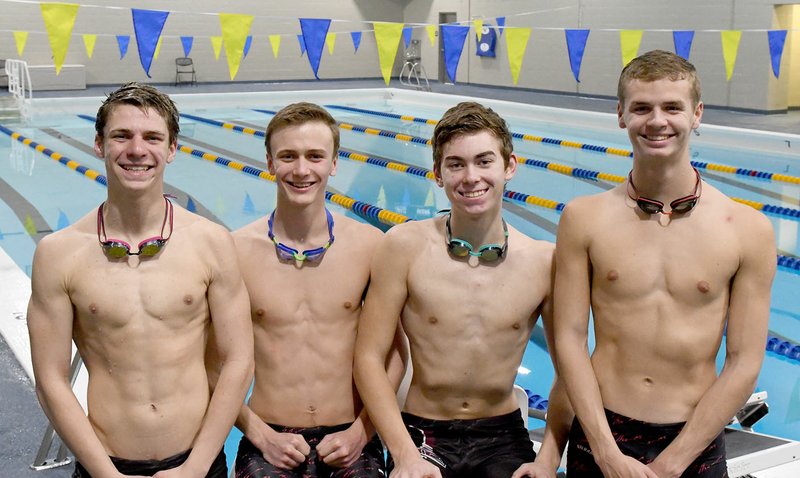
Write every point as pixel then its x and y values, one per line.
pixel 135 146
pixel 659 116
pixel 302 158
pixel 473 172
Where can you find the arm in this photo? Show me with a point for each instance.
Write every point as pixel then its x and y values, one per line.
pixel 559 411
pixel 376 332
pixel 748 318
pixel 572 293
pixel 50 322
pixel 233 339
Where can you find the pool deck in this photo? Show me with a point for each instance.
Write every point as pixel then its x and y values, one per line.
pixel 22 423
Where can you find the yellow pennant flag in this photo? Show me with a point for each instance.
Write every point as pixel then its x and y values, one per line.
pixel 516 42
pixel 216 43
pixel 59 18
pixel 158 49
pixel 330 40
pixel 21 38
pixel 29 225
pixel 275 41
pixel 478 28
pixel 430 201
pixel 88 41
pixel 431 29
pixel 730 48
pixel 629 41
pixel 387 36
pixel 235 28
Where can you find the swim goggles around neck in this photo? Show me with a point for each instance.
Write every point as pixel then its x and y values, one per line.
pixel 286 253
pixel 487 252
pixel 118 249
pixel 679 206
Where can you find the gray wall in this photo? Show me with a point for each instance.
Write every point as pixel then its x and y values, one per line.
pixel 545 65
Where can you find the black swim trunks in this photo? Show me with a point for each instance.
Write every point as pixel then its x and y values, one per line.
pixel 492 447
pixel 219 469
pixel 250 462
pixel 643 441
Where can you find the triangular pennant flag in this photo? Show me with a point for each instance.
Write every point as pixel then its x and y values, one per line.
pixel 406 199
pixel 380 201
pixel 63 221
pixel 158 48
pixel 777 39
pixel 89 41
pixel 275 42
pixel 431 29
pixel 235 28
pixel 356 36
pixel 314 32
pixel 59 18
pixel 190 205
pixel 302 44
pixel 20 38
pixel 516 42
pixel 220 209
pixel 248 42
pixel 216 44
pixel 478 26
pixel 730 48
pixel 187 43
pixel 147 24
pixel 407 31
pixel 629 41
pixel 29 225
pixel 501 24
pixel 387 38
pixel 576 45
pixel 683 42
pixel 430 200
pixel 248 207
pixel 453 37
pixel 123 41
pixel 330 41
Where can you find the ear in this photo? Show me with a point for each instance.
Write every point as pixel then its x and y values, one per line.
pixel 99 150
pixel 173 148
pixel 511 168
pixel 437 175
pixel 334 162
pixel 620 119
pixel 698 115
pixel 270 164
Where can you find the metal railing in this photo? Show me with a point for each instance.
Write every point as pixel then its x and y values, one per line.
pixel 20 87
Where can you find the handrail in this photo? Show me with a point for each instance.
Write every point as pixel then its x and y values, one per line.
pixel 20 86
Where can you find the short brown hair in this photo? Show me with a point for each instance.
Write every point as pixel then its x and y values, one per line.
pixel 657 65
pixel 467 118
pixel 143 97
pixel 301 113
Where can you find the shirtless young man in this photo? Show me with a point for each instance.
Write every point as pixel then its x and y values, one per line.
pixel 468 290
pixel 140 314
pixel 667 264
pixel 304 418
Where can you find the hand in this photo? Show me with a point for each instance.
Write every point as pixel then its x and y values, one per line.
pixel 534 470
pixel 284 450
pixel 342 449
pixel 177 472
pixel 623 466
pixel 663 470
pixel 418 469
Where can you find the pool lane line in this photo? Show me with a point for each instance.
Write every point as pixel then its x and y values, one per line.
pixel 392 165
pixel 26 212
pixel 580 173
pixel 600 149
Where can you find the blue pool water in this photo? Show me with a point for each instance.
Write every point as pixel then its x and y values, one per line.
pixel 39 194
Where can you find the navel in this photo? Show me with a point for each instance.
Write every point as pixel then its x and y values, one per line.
pixel 348 305
pixel 465 405
pixel 153 407
pixel 188 299
pixel 612 275
pixel 703 286
pixel 433 320
pixel 515 326
pixel 648 381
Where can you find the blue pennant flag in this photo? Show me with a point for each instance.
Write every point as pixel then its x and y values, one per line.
pixel 356 36
pixel 123 41
pixel 777 39
pixel 683 42
pixel 62 220
pixel 190 205
pixel 247 42
pixel 501 23
pixel 486 45
pixel 302 44
pixel 248 207
pixel 187 43
pixel 147 24
pixel 314 32
pixel 407 35
pixel 453 37
pixel 576 45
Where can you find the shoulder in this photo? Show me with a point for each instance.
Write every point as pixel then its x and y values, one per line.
pixel 533 251
pixel 356 232
pixel 413 232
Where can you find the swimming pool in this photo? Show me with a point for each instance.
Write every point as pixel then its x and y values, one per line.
pixel 383 177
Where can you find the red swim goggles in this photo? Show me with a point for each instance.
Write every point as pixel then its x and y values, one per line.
pixel 679 206
pixel 118 249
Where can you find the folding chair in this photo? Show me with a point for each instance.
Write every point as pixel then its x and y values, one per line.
pixel 184 67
